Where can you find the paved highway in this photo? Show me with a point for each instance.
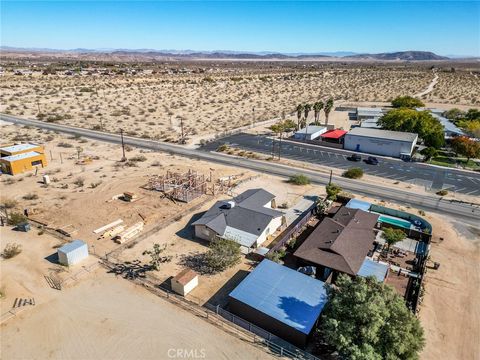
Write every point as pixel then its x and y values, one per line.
pixel 416 173
pixel 462 211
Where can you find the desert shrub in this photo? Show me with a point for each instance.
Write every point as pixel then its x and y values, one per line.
pixel 11 250
pixel 442 192
pixel 79 181
pixel 299 179
pixel 64 145
pixel 222 148
pixel 16 218
pixel 30 196
pixel 138 158
pixel 276 256
pixel 93 185
pixel 353 173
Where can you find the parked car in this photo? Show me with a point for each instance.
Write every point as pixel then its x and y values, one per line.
pixel 372 160
pixel 354 157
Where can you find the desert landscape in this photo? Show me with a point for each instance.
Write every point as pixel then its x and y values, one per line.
pixel 162 102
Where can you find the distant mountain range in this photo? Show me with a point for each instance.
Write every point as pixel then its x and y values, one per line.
pixel 401 55
pixel 152 55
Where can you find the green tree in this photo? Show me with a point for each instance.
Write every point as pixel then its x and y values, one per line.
pixel 472 114
pixel 367 320
pixel 454 114
pixel 222 254
pixel 464 146
pixel 392 236
pixel 327 108
pixel 332 191
pixel 407 102
pixel 317 108
pixel 420 122
pixel 299 110
pixel 156 256
pixel 429 153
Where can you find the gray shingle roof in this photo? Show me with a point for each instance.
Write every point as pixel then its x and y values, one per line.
pixel 248 214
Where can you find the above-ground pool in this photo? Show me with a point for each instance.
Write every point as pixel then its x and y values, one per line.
pixel 395 221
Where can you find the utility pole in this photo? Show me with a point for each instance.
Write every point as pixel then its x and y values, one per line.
pixel 280 147
pixel 330 181
pixel 253 116
pixel 124 158
pixel 183 134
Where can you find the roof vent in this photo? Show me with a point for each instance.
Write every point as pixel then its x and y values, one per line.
pixel 228 205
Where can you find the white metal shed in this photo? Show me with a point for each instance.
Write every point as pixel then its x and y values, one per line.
pixel 72 253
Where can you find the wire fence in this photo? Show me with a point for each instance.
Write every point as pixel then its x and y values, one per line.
pixel 229 322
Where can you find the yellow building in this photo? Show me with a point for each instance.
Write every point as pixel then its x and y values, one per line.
pixel 18 158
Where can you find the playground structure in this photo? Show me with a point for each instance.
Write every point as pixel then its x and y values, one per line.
pixel 187 186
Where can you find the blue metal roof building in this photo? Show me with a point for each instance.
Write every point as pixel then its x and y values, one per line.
pixel 373 268
pixel 359 204
pixel 281 300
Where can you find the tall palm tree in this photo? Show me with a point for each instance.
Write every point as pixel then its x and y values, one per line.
pixel 299 115
pixel 327 108
pixel 306 109
pixel 317 107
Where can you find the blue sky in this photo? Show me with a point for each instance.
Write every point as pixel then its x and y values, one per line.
pixel 444 27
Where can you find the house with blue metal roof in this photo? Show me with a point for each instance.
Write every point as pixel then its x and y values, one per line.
pixel 280 300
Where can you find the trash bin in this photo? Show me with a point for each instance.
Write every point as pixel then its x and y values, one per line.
pixel 23 227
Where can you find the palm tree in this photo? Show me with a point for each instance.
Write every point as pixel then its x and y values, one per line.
pixel 328 107
pixel 299 115
pixel 317 107
pixel 306 110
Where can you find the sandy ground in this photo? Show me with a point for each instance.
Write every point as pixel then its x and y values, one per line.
pixel 450 311
pixel 90 206
pixel 181 243
pixel 157 105
pixel 109 318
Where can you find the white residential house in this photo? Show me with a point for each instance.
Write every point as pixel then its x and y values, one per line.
pixel 247 219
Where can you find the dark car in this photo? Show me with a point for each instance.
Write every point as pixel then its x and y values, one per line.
pixel 372 160
pixel 354 157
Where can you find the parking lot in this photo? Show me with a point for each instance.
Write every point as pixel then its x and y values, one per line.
pixel 430 177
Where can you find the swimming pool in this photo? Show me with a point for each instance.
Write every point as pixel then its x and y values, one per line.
pixel 394 221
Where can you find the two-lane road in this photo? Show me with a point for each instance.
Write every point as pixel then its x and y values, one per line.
pixel 462 211
pixel 431 177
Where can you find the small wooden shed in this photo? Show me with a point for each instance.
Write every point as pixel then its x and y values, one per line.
pixel 184 282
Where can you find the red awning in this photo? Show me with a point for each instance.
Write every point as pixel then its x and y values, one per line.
pixel 333 134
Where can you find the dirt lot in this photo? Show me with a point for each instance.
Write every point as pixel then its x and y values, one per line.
pixel 80 196
pixel 182 245
pixel 450 312
pixel 90 321
pixel 217 97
